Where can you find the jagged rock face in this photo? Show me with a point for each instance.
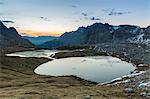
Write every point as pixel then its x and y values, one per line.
pixel 88 35
pixel 98 33
pixel 143 37
pixel 105 33
pixel 9 37
pixel 147 32
pixel 101 33
pixel 124 32
pixel 73 38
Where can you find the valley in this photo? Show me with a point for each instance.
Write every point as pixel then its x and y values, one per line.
pixel 18 80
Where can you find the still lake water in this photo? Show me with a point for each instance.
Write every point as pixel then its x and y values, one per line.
pixel 36 53
pixel 94 68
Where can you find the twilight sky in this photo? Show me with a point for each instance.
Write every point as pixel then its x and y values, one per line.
pixel 54 17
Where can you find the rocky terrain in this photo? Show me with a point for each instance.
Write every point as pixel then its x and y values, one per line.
pixel 138 55
pixel 134 53
pixel 17 80
pixel 129 43
pixel 103 33
pixel 11 40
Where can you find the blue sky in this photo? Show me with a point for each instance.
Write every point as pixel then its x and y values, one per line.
pixel 54 17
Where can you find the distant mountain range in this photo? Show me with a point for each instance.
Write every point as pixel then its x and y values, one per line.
pixel 40 39
pixel 94 34
pixel 102 33
pixel 9 38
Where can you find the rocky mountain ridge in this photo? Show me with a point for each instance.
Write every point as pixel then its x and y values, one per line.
pixel 40 39
pixel 104 33
pixel 100 33
pixel 9 38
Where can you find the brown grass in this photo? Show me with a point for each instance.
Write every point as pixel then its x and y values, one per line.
pixel 18 81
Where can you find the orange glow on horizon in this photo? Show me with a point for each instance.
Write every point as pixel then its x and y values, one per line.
pixel 39 33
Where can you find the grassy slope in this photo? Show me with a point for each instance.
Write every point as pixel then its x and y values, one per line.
pixel 17 80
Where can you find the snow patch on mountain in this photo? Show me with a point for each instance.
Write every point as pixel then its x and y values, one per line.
pixel 139 39
pixel 134 31
pixel 147 84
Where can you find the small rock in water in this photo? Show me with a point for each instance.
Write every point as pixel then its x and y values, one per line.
pixel 83 60
pixel 140 65
pixel 143 94
pixel 87 97
pixel 148 94
pixel 129 90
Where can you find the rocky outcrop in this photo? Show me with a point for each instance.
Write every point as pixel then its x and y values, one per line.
pixel 105 33
pixel 143 37
pixel 101 33
pixel 137 54
pixel 73 38
pixel 96 33
pixel 9 38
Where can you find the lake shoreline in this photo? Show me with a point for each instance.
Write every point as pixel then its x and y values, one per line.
pixel 45 78
pixel 123 79
pixel 26 84
pixel 90 52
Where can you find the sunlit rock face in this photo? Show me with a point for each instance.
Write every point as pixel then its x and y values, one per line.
pixel 9 37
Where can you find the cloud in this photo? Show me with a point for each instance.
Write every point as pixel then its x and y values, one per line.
pixel 113 12
pixel 84 14
pixel 94 19
pixel 44 18
pixel 74 6
pixel 8 21
pixel 89 17
pixel 106 10
pixel 1 3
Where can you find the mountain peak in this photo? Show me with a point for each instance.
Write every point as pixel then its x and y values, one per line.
pixel 10 38
pixel 13 29
pixel 148 27
pixel 1 24
pixel 102 33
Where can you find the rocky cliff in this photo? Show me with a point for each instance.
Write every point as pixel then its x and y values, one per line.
pixel 9 38
pixel 105 33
